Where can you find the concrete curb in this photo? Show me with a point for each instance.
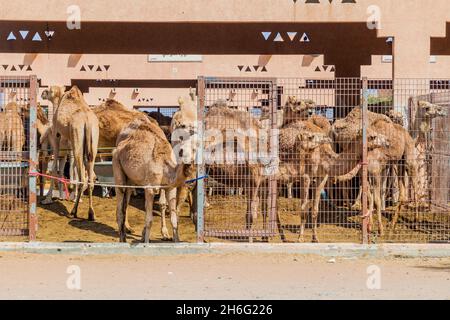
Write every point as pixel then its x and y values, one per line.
pixel 326 250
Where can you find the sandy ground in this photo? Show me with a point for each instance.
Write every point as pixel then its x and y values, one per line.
pixel 237 276
pixel 335 225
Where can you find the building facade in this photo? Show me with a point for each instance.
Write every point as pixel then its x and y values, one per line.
pixel 147 53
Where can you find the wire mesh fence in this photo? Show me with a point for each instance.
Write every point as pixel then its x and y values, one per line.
pixel 355 159
pixel 238 117
pixel 17 150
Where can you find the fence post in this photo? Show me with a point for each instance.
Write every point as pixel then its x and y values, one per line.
pixel 199 160
pixel 273 142
pixel 365 184
pixel 33 160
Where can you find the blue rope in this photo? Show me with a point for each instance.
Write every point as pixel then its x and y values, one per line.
pixel 196 179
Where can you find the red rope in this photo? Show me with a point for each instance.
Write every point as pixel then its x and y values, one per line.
pixel 62 180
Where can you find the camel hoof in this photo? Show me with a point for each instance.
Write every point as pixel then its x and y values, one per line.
pixel 315 240
pixel 301 239
pixel 91 215
pixel 73 214
pixel 129 230
pixel 47 201
pixel 165 234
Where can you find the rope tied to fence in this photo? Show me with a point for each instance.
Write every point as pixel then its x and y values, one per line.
pixel 66 182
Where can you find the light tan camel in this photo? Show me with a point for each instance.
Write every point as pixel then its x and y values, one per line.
pixel 183 128
pixel 144 157
pixel 74 120
pixel 12 132
pixel 44 128
pixel 421 130
pixel 401 150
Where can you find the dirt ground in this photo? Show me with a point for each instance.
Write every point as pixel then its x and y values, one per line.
pixel 230 276
pixel 335 225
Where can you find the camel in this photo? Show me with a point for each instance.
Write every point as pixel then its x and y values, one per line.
pixel 315 161
pixel 400 150
pixel 183 127
pixel 112 118
pixel 144 157
pixel 421 129
pixel 75 121
pixel 44 128
pixel 12 132
pixel 303 149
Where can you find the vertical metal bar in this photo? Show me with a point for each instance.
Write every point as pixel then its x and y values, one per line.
pixel 365 184
pixel 200 162
pixel 32 160
pixel 273 96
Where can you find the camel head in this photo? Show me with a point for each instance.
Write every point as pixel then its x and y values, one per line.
pixel 431 111
pixel 312 140
pixel 396 117
pixel 53 94
pixel 12 107
pixel 376 140
pixel 296 109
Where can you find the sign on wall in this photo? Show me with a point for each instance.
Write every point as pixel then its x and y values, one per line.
pixel 175 58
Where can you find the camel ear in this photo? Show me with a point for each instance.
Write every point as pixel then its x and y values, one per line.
pixel 192 94
pixel 63 89
pixel 180 101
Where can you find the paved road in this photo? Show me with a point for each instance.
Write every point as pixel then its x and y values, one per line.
pixel 230 276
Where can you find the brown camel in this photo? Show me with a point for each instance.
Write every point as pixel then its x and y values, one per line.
pixel 74 120
pixel 144 157
pixel 12 132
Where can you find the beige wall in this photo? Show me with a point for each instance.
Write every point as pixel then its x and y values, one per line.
pixel 411 22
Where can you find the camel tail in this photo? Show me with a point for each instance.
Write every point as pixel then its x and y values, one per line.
pixel 348 176
pixel 88 144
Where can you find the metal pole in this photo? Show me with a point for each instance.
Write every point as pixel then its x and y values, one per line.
pixel 33 159
pixel 365 184
pixel 200 163
pixel 273 98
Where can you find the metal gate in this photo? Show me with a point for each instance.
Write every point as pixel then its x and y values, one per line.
pixel 18 156
pixel 340 174
pixel 238 119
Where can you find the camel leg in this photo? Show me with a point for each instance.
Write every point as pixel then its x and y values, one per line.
pixel 61 164
pixel 252 206
pixel 77 147
pixel 304 207
pixel 345 196
pixel 73 176
pixel 357 204
pixel 121 212
pixel 384 184
pixel 370 210
pixel 149 196
pixel 163 209
pixel 91 176
pixel 401 200
pixel 315 209
pixel 172 199
pixel 377 199
pixel 128 228
pixel 49 198
pixel 289 187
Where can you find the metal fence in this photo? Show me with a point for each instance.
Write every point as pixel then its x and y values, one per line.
pixel 18 156
pixel 356 160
